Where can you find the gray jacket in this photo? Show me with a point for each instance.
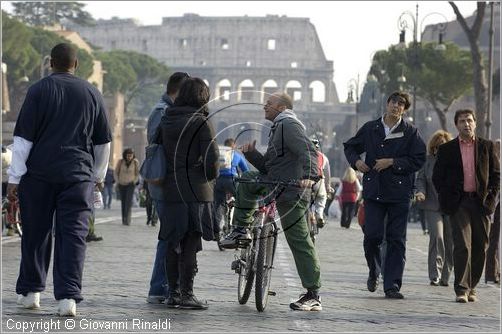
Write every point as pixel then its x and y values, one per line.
pixel 425 186
pixel 290 155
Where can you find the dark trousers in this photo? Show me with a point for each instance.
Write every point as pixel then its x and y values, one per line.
pixel 107 195
pixel 181 264
pixel 492 269
pixel 126 194
pixel 69 207
pixel 395 237
pixel 470 230
pixel 347 213
pixel 151 213
pixel 224 185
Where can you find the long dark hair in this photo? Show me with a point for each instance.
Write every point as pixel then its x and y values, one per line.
pixel 194 93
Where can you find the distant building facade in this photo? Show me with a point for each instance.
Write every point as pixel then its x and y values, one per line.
pixel 239 58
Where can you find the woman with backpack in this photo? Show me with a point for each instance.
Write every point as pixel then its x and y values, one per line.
pixel 348 193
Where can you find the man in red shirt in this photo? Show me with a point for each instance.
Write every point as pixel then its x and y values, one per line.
pixel 466 177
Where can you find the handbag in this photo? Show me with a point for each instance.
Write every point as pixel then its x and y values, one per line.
pixel 154 167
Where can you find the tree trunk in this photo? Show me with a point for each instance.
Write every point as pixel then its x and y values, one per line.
pixel 442 117
pixel 479 76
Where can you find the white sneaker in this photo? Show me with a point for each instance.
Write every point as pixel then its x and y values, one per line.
pixel 30 301
pixel 67 308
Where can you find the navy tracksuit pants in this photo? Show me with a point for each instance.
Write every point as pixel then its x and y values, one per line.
pixel 69 207
pixel 395 237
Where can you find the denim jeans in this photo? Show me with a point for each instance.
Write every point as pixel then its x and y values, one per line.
pixel 158 282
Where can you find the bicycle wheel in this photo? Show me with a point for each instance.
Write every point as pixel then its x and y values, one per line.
pixel 264 263
pixel 246 274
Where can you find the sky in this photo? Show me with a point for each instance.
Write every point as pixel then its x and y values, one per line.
pixel 350 31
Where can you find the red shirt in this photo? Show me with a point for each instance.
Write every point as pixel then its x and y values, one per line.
pixel 467 151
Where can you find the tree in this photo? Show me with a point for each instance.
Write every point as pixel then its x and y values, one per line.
pixel 43 13
pixel 132 74
pixel 24 49
pixel 441 77
pixel 479 73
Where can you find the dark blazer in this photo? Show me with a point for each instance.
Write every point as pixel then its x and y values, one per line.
pixel 192 155
pixel 448 175
pixel 404 145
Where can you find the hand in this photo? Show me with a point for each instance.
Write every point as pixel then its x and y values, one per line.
pixel 306 183
pixel 420 197
pixel 99 186
pixel 249 147
pixel 382 164
pixel 12 192
pixel 362 167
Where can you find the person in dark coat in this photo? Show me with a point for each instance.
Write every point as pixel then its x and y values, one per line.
pixel 466 177
pixel 394 152
pixel 192 167
pixel 492 268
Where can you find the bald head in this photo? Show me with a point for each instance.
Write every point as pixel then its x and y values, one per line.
pixel 277 103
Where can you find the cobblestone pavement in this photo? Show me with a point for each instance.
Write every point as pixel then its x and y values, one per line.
pixel 118 269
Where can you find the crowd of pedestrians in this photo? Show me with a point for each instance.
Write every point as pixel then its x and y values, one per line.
pixel 455 181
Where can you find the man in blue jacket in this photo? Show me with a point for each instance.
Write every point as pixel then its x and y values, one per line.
pixel 61 150
pixel 225 183
pixel 394 152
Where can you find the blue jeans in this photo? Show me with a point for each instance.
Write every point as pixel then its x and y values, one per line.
pixel 158 282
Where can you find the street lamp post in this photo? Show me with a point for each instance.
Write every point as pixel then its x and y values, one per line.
pixel 403 24
pixel 353 86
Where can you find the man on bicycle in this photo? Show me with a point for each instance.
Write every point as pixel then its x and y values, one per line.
pixel 290 156
pixel 231 164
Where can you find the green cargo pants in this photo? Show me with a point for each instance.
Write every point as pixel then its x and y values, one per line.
pixel 294 224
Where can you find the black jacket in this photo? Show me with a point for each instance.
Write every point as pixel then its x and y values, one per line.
pixel 448 175
pixel 192 155
pixel 404 145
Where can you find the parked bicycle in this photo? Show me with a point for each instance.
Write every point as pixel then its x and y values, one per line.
pixel 256 257
pixel 11 217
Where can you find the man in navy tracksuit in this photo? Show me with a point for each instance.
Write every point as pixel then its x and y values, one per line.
pixel 61 149
pixel 394 152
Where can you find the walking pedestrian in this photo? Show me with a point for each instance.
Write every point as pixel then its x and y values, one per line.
pixel 394 152
pixel 348 193
pixel 158 291
pixel 466 176
pixel 108 188
pixel 440 255
pixel 192 166
pixel 127 175
pixel 492 268
pixel 61 145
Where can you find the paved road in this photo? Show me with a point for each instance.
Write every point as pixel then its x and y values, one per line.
pixel 117 272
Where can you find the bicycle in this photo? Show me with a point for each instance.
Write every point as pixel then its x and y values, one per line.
pixel 11 217
pixel 256 257
pixel 227 218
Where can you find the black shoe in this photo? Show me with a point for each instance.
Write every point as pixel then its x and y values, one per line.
pixel 393 294
pixel 174 300
pixel 93 237
pixel 148 222
pixel 190 302
pixel 239 236
pixel 372 284
pixel 442 283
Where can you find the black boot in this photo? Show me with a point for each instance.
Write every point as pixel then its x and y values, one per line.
pixel 188 299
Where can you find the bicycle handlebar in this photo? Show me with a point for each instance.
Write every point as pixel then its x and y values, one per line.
pixel 292 183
